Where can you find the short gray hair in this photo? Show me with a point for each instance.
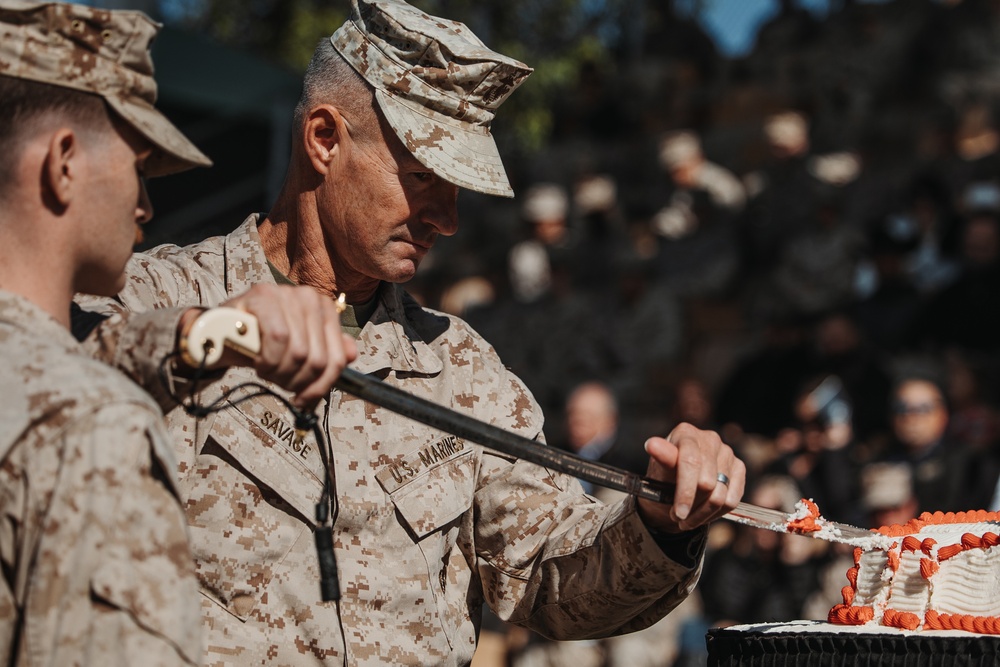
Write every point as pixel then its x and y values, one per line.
pixel 329 79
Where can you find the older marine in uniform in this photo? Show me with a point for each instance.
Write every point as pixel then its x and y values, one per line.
pixel 394 119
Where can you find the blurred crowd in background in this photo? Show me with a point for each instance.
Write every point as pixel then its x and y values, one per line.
pixel 800 249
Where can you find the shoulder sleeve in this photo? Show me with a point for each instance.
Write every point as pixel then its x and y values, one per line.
pixel 136 331
pixel 114 576
pixel 559 561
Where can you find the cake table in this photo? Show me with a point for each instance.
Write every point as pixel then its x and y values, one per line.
pixel 819 644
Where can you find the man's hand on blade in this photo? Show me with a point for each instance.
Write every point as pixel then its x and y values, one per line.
pixel 709 479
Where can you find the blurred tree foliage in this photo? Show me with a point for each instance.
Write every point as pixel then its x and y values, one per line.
pixel 556 37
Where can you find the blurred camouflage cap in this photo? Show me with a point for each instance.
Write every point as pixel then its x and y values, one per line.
pixel 99 51
pixel 438 86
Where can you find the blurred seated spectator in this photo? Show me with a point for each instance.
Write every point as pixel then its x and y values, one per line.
pixel 783 194
pixel 887 494
pixel 817 266
pixel 974 416
pixel 545 213
pixel 763 576
pixel 929 219
pixel 890 304
pixel 758 394
pixel 818 450
pixel 947 476
pixel 601 233
pixel 692 403
pixel 966 314
pixel 840 348
pixel 467 293
pixel 698 252
pixel 592 430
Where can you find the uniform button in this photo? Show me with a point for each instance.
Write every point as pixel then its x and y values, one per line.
pixel 243 604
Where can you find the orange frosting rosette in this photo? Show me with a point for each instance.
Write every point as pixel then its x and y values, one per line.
pixel 806 524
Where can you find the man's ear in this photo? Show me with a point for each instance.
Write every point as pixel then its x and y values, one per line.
pixel 60 169
pixel 324 134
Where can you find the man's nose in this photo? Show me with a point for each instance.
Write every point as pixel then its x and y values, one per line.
pixel 144 207
pixel 442 214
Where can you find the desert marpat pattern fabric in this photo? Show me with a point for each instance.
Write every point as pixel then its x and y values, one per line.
pixel 428 526
pixel 95 558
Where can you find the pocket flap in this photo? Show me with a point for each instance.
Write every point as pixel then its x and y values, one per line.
pixel 261 437
pixel 430 493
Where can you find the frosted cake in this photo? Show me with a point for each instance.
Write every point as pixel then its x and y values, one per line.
pixel 938 572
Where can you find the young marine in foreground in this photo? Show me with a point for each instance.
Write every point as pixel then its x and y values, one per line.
pixel 96 567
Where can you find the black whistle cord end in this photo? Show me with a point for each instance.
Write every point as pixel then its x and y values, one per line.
pixel 329 582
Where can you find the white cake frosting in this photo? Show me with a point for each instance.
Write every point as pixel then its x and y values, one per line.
pixel 940 572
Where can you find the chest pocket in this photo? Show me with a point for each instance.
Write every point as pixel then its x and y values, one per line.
pixel 434 495
pixel 434 508
pixel 249 497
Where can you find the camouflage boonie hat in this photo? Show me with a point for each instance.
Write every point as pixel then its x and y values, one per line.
pixel 438 85
pixel 99 51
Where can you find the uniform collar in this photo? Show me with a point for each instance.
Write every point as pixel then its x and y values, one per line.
pixel 20 313
pixel 388 342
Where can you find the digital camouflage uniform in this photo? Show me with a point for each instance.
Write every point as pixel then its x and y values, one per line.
pixel 429 526
pixel 93 551
pixel 95 567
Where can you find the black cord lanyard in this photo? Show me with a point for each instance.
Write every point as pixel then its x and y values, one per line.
pixel 304 421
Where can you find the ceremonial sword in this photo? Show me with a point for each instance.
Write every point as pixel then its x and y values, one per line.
pixel 220 328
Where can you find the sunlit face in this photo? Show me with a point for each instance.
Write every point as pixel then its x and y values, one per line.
pixel 590 414
pixel 114 203
pixel 382 211
pixel 919 414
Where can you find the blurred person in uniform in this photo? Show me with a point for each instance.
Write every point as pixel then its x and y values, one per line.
pixel 393 121
pixel 839 347
pixel 554 340
pixel 93 549
pixel 698 253
pixel 782 195
pixel 974 413
pixel 889 303
pixel 602 236
pixel 817 267
pixel 929 217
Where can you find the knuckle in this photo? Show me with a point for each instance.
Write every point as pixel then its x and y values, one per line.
pixel 317 362
pixel 298 353
pixel 688 458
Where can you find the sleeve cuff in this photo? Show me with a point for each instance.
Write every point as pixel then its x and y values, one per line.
pixel 685 549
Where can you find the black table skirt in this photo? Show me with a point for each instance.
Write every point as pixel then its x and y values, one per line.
pixel 816 644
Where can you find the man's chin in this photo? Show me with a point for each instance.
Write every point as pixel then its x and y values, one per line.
pixel 402 272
